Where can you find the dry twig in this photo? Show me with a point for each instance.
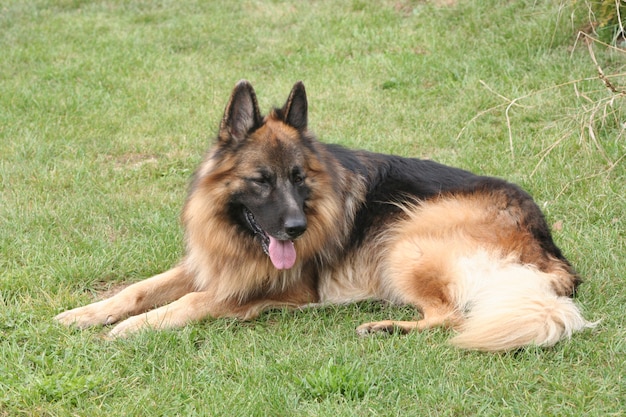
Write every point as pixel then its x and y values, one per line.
pixel 589 125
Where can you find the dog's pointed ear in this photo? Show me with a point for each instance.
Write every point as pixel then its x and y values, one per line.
pixel 295 110
pixel 241 115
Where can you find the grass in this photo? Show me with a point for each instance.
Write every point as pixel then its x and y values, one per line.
pixel 107 106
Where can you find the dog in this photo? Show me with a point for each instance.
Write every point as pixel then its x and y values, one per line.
pixel 275 218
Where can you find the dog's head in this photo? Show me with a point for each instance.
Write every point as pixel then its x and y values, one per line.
pixel 270 169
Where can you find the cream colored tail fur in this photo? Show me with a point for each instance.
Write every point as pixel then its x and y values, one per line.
pixel 508 306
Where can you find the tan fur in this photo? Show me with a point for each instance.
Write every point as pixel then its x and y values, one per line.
pixel 461 262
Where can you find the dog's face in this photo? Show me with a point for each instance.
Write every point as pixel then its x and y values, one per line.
pixel 267 185
pixel 271 169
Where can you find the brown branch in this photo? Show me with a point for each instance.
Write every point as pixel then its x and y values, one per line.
pixel 589 41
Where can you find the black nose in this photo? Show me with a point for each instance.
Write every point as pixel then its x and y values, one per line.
pixel 295 227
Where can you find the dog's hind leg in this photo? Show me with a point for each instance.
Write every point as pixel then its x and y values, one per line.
pixel 418 273
pixel 432 316
pixel 134 299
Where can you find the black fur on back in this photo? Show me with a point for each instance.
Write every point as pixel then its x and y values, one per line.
pixel 391 179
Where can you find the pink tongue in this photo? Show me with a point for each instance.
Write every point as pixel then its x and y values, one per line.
pixel 282 253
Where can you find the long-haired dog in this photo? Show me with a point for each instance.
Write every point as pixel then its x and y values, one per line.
pixel 275 218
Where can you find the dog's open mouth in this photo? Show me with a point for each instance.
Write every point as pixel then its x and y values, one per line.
pixel 282 253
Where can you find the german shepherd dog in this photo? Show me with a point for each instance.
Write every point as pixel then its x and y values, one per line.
pixel 274 218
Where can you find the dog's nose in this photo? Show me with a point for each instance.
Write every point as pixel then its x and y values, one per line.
pixel 295 227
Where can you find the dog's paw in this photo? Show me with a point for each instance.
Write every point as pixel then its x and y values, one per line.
pixel 129 326
pixel 158 319
pixel 91 315
pixel 385 326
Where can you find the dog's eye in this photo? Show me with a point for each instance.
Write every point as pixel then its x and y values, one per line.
pixel 263 177
pixel 260 180
pixel 297 177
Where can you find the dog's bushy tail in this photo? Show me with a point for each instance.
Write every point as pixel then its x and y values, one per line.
pixel 507 306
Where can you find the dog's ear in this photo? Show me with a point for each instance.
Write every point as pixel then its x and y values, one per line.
pixel 295 109
pixel 241 115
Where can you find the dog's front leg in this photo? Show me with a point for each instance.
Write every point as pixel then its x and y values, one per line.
pixel 134 299
pixel 196 306
pixel 191 307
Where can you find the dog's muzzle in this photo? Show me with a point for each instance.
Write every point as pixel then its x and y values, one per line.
pixel 256 229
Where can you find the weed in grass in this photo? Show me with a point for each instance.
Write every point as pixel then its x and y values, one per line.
pixel 337 381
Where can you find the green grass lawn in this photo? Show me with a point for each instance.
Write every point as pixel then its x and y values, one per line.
pixel 106 108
